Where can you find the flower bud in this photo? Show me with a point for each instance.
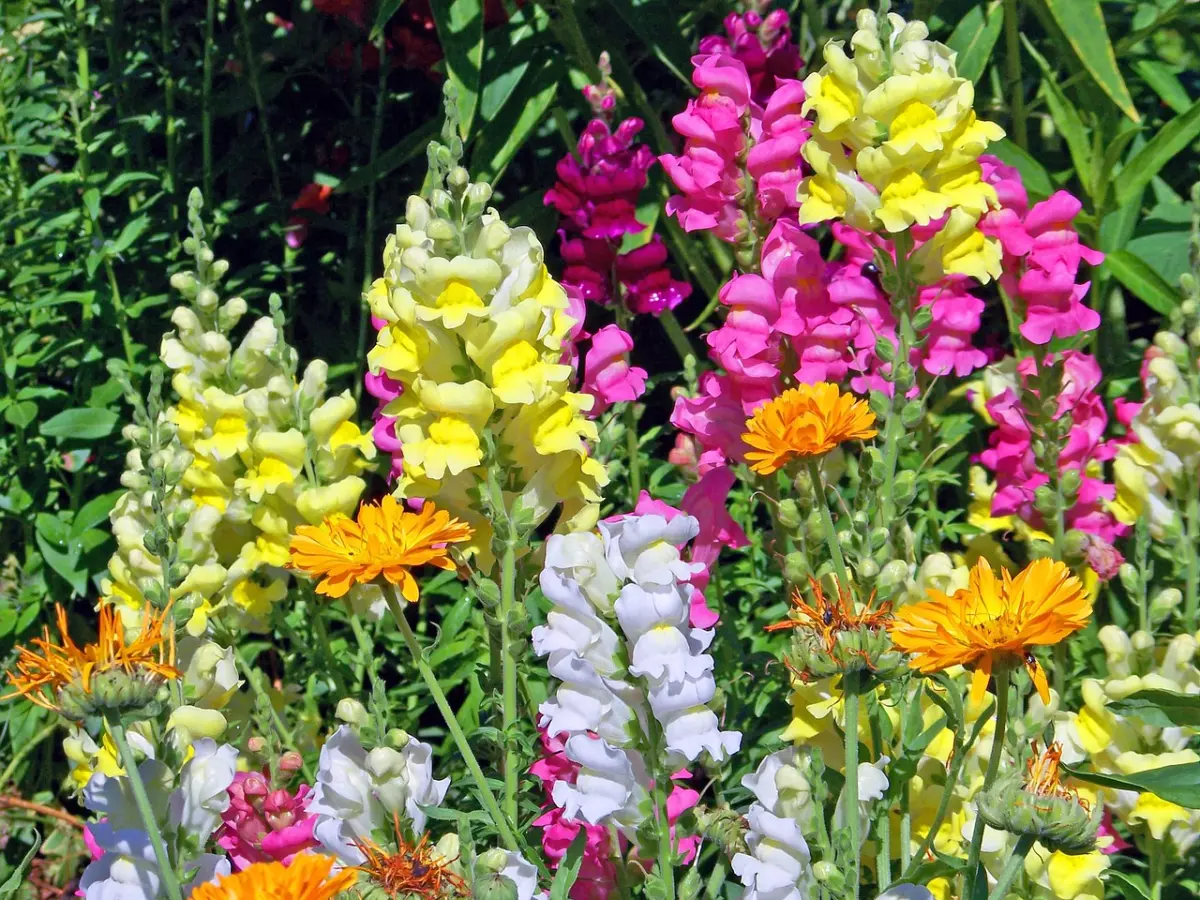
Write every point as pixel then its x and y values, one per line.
pixel 352 712
pixel 256 744
pixel 291 761
pixel 1131 579
pixel 827 873
pixel 789 514
pixel 184 282
pixel 1165 602
pixel 489 883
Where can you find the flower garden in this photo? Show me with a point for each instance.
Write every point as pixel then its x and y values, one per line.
pixel 750 451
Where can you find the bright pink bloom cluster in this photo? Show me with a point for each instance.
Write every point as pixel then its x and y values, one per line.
pixel 608 376
pixel 1010 454
pixel 597 879
pixel 742 135
pixel 264 825
pixel 1042 255
pixel 383 433
pixel 596 196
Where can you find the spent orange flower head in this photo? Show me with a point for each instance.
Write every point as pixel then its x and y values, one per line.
pixel 809 420
pixel 994 621
pixel 109 675
pixel 412 871
pixel 384 540
pixel 825 617
pixel 306 877
pixel 1043 777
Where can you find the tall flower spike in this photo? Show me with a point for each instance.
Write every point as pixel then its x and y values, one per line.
pixel 306 878
pixel 809 420
pixel 385 540
pixel 112 675
pixel 994 621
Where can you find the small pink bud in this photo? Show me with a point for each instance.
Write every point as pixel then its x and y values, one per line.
pixel 256 744
pixel 291 761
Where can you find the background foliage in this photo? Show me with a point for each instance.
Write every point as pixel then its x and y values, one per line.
pixel 305 126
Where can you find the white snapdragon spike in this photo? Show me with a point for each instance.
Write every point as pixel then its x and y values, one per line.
pixel 689 726
pixel 663 646
pixel 357 792
pixel 609 787
pixel 645 549
pixel 586 701
pixel 112 795
pixel 580 558
pixel 872 785
pixel 778 866
pixel 572 625
pixel 203 792
pixel 126 870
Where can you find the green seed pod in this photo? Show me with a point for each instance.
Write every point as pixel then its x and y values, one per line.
pixel 1036 804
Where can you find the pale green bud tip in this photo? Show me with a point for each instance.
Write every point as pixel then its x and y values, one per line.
pixel 352 712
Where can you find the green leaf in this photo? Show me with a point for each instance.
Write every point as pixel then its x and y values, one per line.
pixel 1160 709
pixel 460 32
pixel 80 424
pixel 568 869
pixel 130 233
pixel 20 414
pixel 16 878
pixel 1162 80
pixel 1132 887
pixel 1138 276
pixel 1161 238
pixel 392 158
pixel 387 9
pixel 655 24
pixel 500 139
pixel 1171 139
pixel 64 564
pixel 1082 24
pixel 94 512
pixel 975 36
pixel 1033 173
pixel 1066 117
pixel 1175 784
pixel 509 51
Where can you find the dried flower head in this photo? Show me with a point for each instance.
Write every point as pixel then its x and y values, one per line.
pixel 809 420
pixel 831 636
pixel 1039 804
pixel 384 539
pixel 994 621
pixel 109 676
pixel 414 870
pixel 307 877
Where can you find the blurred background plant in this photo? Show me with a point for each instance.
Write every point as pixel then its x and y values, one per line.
pixel 305 126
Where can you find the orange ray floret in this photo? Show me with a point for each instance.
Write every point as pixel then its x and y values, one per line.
pixel 825 617
pixel 42 672
pixel 413 870
pixel 993 621
pixel 384 540
pixel 809 420
pixel 306 877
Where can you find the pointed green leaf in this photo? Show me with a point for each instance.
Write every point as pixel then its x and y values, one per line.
pixel 1033 173
pixel 1175 784
pixel 1137 275
pixel 1170 140
pixel 1082 24
pixel 460 32
pixel 1160 709
pixel 1162 80
pixel 1066 117
pixel 16 878
pixel 975 36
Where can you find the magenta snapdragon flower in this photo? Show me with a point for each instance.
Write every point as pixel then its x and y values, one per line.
pixel 264 825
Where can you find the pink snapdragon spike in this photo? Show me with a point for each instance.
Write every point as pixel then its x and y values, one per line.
pixel 264 825
pixel 597 879
pixel 609 377
pixel 1042 257
pixel 762 42
pixel 1010 455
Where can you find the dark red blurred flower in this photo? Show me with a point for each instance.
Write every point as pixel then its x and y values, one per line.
pixel 314 198
pixel 354 10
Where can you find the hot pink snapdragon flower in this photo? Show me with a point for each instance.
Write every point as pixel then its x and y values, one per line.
pixel 264 825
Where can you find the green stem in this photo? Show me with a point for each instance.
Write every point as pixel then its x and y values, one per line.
pixel 170 183
pixel 206 111
pixel 362 665
pixel 632 450
pixel 831 538
pixel 1012 867
pixel 166 870
pixel 851 789
pixel 1002 679
pixel 119 307
pixel 666 849
pixel 905 826
pixel 1012 65
pixel 508 670
pixel 679 340
pixel 1157 866
pixel 25 748
pixel 1192 583
pixel 883 830
pixel 364 312
pixel 501 822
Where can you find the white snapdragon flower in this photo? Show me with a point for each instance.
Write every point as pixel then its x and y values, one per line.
pixel 580 558
pixel 662 643
pixel 906 892
pixel 112 795
pixel 689 726
pixel 126 870
pixel 778 866
pixel 511 867
pixel 206 869
pixel 586 701
pixel 645 549
pixel 356 791
pixel 609 787
pixel 572 626
pixel 203 792
pixel 872 785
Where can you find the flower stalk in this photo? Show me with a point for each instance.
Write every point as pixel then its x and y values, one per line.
pixel 850 687
pixel 1003 677
pixel 831 538
pixel 1012 867
pixel 499 820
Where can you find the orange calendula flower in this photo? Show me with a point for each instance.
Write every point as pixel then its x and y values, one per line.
pixel 110 675
pixel 809 420
pixel 994 621
pixel 306 877
pixel 412 871
pixel 384 540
